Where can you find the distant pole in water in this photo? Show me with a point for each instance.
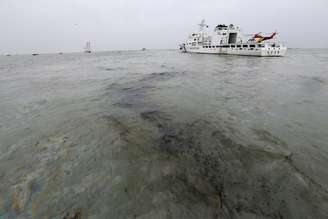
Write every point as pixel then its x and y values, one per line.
pixel 87 48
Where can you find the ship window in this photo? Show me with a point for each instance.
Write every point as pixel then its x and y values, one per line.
pixel 252 46
pixel 224 33
pixel 245 46
pixel 225 46
pixel 238 46
pixel 261 45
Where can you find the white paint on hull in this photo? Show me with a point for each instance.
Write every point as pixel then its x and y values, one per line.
pixel 265 52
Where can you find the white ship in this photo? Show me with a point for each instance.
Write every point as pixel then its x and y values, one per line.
pixel 230 40
pixel 87 48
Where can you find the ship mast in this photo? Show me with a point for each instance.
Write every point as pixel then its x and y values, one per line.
pixel 87 47
pixel 202 28
pixel 202 25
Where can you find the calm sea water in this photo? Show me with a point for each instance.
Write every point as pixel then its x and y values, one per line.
pixel 160 134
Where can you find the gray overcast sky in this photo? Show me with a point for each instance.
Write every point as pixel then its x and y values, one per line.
pixel 65 25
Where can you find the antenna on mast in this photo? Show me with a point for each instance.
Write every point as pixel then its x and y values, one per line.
pixel 202 25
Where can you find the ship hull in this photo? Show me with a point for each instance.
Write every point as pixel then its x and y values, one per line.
pixel 260 52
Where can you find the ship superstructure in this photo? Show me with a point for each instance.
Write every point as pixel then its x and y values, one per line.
pixel 229 39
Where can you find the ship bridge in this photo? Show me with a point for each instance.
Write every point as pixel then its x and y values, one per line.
pixel 228 34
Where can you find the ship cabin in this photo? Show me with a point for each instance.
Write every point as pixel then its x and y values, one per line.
pixel 227 34
pixel 232 37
